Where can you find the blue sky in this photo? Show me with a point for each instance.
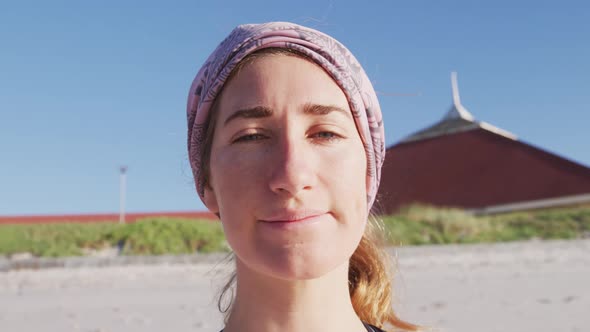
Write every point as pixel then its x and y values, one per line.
pixel 86 86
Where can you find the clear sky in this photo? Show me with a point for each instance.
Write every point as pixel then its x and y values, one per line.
pixel 86 86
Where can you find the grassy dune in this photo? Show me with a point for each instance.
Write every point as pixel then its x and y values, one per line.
pixel 415 225
pixel 150 236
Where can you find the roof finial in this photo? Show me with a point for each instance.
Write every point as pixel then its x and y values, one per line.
pixel 457 111
pixel 455 87
pixel 457 119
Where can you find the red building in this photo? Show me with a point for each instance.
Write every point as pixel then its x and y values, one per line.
pixel 461 162
pixel 104 217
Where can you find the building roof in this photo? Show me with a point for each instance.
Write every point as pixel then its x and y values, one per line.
pixel 457 119
pixel 102 217
pixel 470 164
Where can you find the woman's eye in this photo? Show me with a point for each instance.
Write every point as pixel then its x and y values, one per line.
pixel 249 138
pixel 321 136
pixel 326 135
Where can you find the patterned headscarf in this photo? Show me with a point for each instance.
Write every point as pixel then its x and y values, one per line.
pixel 324 50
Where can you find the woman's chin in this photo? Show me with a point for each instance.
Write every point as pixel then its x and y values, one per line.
pixel 298 264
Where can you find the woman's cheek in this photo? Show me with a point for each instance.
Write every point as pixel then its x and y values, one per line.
pixel 232 158
pixel 237 168
pixel 347 161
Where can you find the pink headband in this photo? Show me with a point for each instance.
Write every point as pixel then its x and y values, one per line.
pixel 319 47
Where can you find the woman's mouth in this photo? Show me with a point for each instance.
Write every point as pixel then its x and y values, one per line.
pixel 294 219
pixel 293 216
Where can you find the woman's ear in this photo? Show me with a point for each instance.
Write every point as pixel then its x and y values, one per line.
pixel 210 200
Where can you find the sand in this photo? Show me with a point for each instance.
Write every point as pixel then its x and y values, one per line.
pixel 525 286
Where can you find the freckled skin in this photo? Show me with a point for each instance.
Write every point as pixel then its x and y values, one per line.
pixel 289 160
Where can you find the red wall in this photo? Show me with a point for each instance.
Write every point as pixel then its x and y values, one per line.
pixel 474 169
pixel 112 217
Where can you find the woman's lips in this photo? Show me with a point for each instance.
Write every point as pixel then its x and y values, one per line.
pixel 292 220
pixel 293 216
pixel 294 223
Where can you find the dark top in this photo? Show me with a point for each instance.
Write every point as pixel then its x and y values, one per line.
pixel 369 327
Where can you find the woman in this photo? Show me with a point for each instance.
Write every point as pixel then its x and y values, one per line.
pixel 286 143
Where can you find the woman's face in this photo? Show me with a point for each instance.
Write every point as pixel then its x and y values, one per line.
pixel 287 169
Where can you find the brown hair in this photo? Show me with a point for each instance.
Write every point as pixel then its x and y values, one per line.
pixel 370 268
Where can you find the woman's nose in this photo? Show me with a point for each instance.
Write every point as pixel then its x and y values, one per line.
pixel 292 171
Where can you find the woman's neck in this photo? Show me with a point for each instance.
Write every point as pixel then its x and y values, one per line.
pixel 266 304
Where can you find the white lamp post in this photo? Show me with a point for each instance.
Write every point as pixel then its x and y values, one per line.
pixel 122 188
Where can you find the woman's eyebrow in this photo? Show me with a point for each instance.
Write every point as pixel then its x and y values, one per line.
pixel 316 109
pixel 250 113
pixel 264 112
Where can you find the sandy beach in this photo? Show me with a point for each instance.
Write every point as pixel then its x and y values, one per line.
pixel 525 286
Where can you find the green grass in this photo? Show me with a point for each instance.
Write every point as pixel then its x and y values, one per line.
pixel 415 225
pixel 150 236
pixel 157 236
